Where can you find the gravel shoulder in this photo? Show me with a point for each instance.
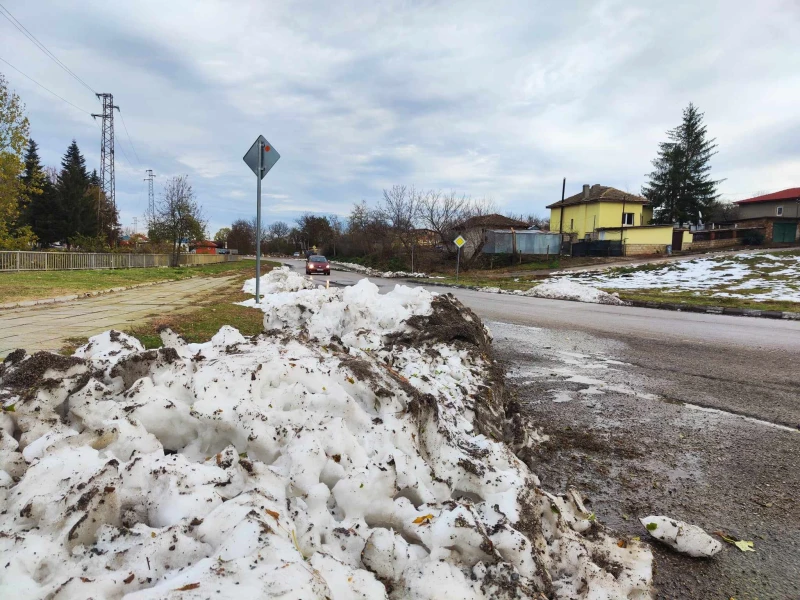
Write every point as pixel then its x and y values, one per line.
pixel 621 433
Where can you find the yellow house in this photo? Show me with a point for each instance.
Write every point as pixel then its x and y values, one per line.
pixel 600 212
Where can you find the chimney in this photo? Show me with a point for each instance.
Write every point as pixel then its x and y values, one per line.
pixel 586 191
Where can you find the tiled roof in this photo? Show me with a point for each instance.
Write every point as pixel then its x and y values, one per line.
pixel 600 193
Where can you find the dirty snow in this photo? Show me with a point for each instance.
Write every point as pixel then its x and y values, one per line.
pixel 683 537
pixel 281 279
pixel 753 276
pixel 562 289
pixel 375 272
pixel 330 457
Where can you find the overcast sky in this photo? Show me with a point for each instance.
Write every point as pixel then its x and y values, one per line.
pixel 496 99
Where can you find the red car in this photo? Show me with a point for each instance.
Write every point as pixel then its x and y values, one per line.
pixel 318 264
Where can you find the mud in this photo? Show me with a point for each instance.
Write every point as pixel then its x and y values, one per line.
pixel 29 373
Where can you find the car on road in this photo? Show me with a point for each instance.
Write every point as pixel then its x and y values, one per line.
pixel 296 254
pixel 317 264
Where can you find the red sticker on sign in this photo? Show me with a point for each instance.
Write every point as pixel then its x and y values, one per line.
pixel 266 148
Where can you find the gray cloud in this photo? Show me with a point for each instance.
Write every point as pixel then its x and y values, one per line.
pixel 499 100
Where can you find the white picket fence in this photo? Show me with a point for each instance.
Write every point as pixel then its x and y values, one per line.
pixel 13 260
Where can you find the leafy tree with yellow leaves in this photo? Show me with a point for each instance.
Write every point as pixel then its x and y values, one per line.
pixel 14 130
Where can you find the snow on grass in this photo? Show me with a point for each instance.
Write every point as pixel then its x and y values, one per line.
pixel 755 277
pixel 375 272
pixel 354 450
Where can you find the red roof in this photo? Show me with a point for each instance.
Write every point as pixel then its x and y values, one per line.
pixel 789 194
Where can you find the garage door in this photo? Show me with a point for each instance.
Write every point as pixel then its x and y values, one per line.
pixel 784 232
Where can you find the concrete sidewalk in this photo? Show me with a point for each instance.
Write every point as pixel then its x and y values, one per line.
pixel 47 327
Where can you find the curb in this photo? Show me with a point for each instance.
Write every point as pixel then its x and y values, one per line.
pixel 710 310
pixel 719 310
pixel 58 299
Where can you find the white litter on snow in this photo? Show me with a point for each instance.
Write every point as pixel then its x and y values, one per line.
pixel 683 537
pixel 562 289
pixel 338 456
pixel 375 272
pixel 775 277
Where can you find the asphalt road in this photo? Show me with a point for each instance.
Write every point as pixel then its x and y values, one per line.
pixel 620 390
pixel 744 365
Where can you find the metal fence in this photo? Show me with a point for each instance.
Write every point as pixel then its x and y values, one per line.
pixel 12 260
pixel 521 242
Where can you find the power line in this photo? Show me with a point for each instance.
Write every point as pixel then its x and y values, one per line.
pixel 44 88
pixel 129 139
pixel 24 31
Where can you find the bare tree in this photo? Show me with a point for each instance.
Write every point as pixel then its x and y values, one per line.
pixel 337 230
pixel 401 208
pixel 178 216
pixel 242 237
pixel 442 212
pixel 278 230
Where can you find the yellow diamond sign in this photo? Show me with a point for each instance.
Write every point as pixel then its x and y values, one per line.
pixel 459 241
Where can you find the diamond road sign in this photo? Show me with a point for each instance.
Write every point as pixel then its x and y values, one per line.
pixel 269 156
pixel 459 241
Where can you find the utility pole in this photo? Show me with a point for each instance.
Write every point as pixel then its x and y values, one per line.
pixel 151 202
pixel 135 222
pixel 107 149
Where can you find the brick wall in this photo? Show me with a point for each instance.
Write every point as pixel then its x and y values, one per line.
pixel 640 249
pixel 709 244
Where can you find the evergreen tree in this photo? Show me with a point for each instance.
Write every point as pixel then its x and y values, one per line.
pixel 40 207
pixel 680 188
pixel 80 209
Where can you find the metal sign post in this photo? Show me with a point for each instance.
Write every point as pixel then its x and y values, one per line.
pixel 261 157
pixel 459 241
pixel 258 223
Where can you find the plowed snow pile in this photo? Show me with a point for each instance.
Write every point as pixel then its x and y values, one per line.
pixel 375 272
pixel 354 450
pixel 563 289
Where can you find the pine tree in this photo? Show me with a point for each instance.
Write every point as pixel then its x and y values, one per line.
pixel 80 209
pixel 40 207
pixel 680 188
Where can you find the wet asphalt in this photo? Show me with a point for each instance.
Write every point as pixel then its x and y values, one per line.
pixel 621 433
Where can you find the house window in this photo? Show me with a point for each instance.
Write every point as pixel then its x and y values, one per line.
pixel 779 211
pixel 571 224
pixel 627 219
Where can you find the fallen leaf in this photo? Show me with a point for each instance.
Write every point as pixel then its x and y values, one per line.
pixel 743 545
pixel 10 408
pixel 129 578
pixel 652 526
pixel 152 534
pixel 187 587
pixel 273 514
pixel 622 543
pixel 86 580
pixel 423 519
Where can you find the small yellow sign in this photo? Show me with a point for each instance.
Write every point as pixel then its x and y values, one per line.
pixel 459 241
